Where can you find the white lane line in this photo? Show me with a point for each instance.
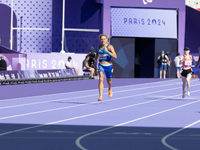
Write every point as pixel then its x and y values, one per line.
pixel 165 137
pixel 158 82
pixel 84 90
pixel 60 108
pixel 41 102
pixel 92 114
pixel 78 140
pixel 54 100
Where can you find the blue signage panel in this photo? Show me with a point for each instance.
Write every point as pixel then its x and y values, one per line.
pixel 138 22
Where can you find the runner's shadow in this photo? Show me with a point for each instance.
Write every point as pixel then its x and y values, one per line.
pixel 180 99
pixel 77 103
pixel 176 99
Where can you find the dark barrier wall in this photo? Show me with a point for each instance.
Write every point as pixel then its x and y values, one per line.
pixel 192 36
pixel 149 50
pixel 145 47
pixel 84 14
pixel 125 63
pixel 168 45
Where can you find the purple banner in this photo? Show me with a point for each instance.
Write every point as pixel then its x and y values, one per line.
pixel 56 73
pixel 68 72
pixel 16 74
pixel 33 74
pixel 30 74
pixel 48 73
pixel 4 75
pixel 15 61
pixel 54 61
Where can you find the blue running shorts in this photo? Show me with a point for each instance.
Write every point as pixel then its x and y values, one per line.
pixel 106 69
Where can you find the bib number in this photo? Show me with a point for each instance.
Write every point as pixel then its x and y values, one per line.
pixel 188 63
pixel 102 56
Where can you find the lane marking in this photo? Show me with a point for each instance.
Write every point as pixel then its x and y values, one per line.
pixel 78 140
pixel 84 90
pixel 132 133
pixel 61 108
pixel 27 104
pixel 54 131
pixel 165 137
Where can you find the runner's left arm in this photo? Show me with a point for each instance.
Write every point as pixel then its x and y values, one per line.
pixel 197 62
pixel 193 61
pixel 112 51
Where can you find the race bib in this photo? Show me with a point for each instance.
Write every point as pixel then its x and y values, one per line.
pixel 102 56
pixel 188 63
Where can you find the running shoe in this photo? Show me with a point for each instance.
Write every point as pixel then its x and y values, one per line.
pixel 110 94
pixel 100 98
pixel 188 93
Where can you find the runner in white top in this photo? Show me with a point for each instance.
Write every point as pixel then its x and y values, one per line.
pixel 178 65
pixel 69 65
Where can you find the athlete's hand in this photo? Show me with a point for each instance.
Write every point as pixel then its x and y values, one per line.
pixel 106 50
pixel 182 57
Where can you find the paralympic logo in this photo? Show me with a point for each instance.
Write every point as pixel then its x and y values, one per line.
pixel 147 1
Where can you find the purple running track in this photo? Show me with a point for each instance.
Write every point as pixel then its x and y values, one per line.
pixel 142 114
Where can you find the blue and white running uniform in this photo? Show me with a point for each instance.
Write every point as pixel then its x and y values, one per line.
pixel 105 57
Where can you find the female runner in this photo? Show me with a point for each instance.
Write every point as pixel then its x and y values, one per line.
pixel 105 53
pixel 186 61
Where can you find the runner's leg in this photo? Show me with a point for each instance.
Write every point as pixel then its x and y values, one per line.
pixel 188 83
pixel 183 86
pixel 101 86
